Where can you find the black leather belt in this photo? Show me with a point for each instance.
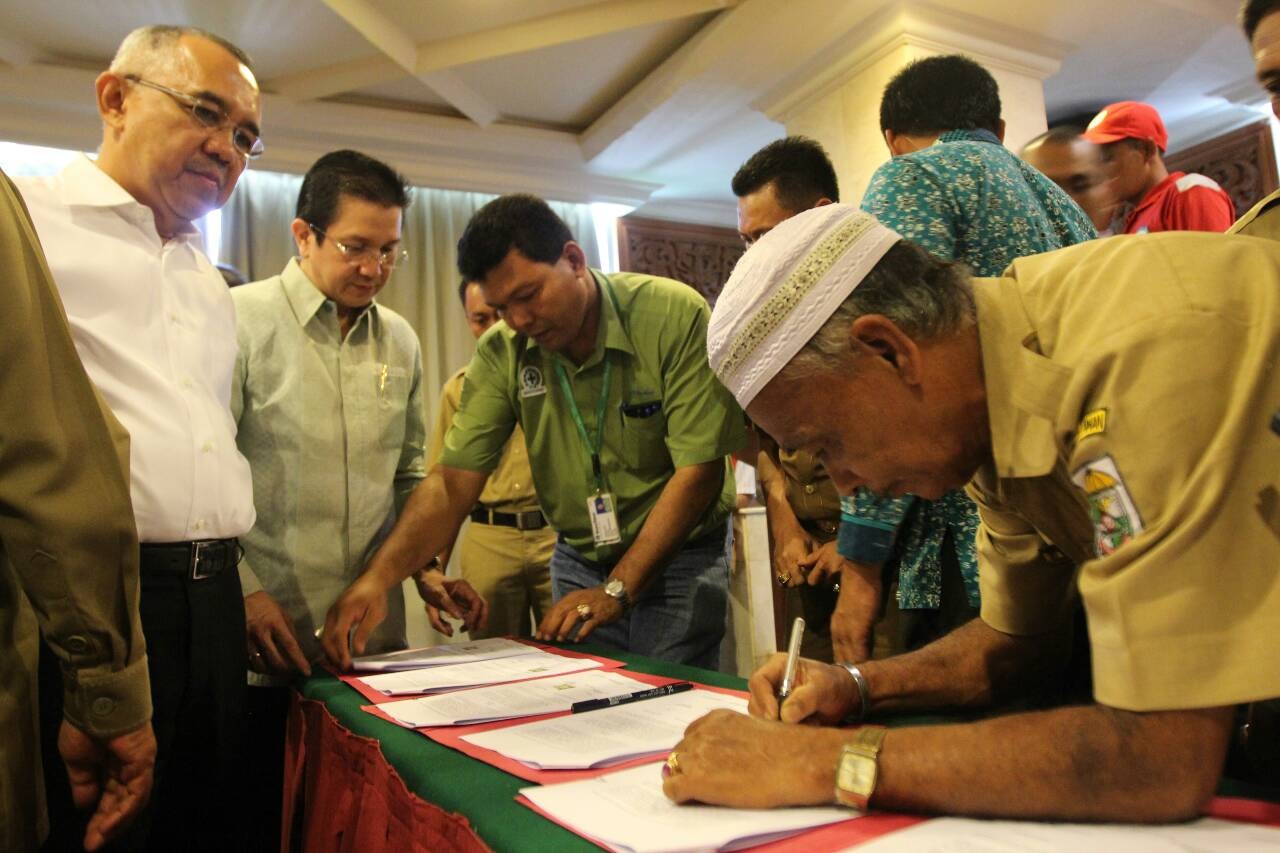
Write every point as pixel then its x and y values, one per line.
pixel 205 558
pixel 529 520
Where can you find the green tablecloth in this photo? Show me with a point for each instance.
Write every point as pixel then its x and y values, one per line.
pixel 458 783
pixel 486 795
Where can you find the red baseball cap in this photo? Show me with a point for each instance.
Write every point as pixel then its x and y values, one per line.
pixel 1127 120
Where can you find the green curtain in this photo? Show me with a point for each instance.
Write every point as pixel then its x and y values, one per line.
pixel 256 240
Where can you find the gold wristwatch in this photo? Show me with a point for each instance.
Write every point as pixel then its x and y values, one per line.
pixel 859 767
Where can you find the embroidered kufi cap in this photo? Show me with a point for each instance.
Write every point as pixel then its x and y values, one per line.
pixel 785 287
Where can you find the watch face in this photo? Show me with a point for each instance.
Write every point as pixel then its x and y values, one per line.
pixel 615 588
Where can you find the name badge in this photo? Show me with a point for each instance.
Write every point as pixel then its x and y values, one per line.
pixel 604 521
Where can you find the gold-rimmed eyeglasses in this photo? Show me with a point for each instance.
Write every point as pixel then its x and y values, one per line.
pixel 212 116
pixel 357 255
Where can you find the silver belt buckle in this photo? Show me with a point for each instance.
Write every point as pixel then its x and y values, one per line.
pixel 197 552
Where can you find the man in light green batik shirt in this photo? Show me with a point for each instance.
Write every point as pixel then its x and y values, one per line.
pixel 327 395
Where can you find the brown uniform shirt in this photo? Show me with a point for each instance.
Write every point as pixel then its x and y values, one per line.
pixel 68 545
pixel 810 492
pixel 1131 386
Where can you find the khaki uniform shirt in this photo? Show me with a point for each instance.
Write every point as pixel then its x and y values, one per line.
pixel 1262 220
pixel 665 410
pixel 811 494
pixel 68 544
pixel 510 486
pixel 1131 386
pixel 334 432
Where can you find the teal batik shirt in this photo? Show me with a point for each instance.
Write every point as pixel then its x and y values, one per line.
pixel 965 198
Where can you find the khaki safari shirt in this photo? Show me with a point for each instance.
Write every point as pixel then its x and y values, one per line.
pixel 510 486
pixel 1262 220
pixel 665 410
pixel 1131 385
pixel 810 492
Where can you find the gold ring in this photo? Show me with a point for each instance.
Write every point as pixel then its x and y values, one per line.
pixel 584 610
pixel 673 763
pixel 783 579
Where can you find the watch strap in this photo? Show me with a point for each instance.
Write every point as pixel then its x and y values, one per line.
pixel 859 767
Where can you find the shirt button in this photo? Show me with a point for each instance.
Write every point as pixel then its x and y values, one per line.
pixel 186 382
pixel 173 318
pixel 77 644
pixel 199 525
pixel 810 488
pixel 207 447
pixel 102 706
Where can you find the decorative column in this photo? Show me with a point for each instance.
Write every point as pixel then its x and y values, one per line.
pixel 836 99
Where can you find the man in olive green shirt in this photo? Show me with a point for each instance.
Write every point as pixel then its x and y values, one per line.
pixel 628 435
pixel 68 566
pixel 506 552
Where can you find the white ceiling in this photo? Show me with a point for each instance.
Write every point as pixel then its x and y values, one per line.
pixel 644 102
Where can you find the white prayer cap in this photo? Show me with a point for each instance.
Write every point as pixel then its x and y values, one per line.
pixel 785 287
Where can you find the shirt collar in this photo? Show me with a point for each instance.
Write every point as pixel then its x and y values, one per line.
pixel 86 185
pixel 615 333
pixel 306 299
pixel 977 134
pixel 1024 388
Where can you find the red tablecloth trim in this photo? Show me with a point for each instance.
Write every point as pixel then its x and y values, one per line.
pixel 352 800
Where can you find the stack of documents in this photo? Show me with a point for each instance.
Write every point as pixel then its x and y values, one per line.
pixel 608 736
pixel 450 653
pixel 507 701
pixel 627 811
pixel 533 664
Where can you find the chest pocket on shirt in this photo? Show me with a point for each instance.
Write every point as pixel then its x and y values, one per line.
pixel 390 402
pixel 644 436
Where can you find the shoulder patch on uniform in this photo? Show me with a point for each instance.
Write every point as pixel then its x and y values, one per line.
pixel 1093 423
pixel 1115 516
pixel 531 383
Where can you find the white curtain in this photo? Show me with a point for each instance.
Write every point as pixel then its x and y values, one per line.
pixel 424 289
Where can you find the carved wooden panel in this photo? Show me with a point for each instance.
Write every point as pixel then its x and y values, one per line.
pixel 701 256
pixel 1242 161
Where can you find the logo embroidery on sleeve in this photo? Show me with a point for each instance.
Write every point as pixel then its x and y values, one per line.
pixel 1115 517
pixel 1093 423
pixel 531 384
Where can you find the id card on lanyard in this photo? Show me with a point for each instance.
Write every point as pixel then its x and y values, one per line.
pixel 601 505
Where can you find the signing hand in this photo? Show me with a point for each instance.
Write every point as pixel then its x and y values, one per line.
pixel 787 765
pixel 273 646
pixel 857 609
pixel 824 693
pixel 116 775
pixel 453 596
pixel 558 624
pixel 362 607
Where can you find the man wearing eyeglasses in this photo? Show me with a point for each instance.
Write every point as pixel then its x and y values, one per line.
pixel 327 395
pixel 154 325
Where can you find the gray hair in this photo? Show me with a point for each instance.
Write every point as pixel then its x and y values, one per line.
pixel 924 296
pixel 149 49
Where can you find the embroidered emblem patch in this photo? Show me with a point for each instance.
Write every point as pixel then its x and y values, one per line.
pixel 1115 517
pixel 531 384
pixel 1093 423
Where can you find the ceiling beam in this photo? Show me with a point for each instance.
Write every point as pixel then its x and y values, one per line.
pixel 559 28
pixel 17 54
pixel 547 31
pixel 389 37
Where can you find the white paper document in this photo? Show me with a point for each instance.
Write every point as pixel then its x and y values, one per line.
pixel 449 653
pixel 498 671
pixel 608 736
pixel 964 835
pixel 505 701
pixel 627 811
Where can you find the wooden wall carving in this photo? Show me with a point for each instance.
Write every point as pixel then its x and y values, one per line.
pixel 699 255
pixel 1242 161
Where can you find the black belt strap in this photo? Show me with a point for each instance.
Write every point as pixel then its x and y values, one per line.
pixel 530 520
pixel 204 558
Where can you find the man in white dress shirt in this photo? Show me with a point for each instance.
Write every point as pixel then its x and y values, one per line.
pixel 154 324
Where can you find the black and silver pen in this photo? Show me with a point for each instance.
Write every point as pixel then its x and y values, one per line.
pixel 609 702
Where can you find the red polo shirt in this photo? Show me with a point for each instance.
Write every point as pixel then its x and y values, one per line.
pixel 1182 202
